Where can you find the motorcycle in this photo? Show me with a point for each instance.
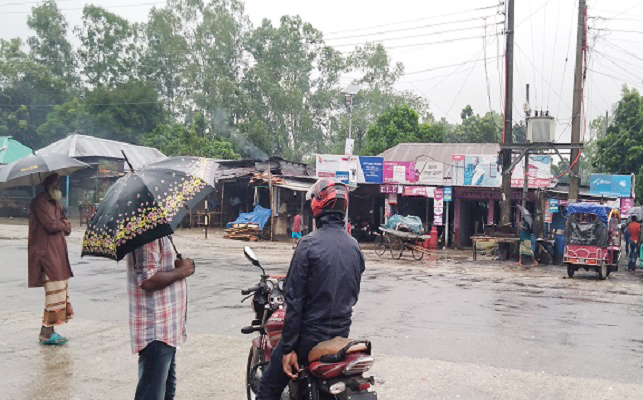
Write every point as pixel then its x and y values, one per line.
pixel 336 367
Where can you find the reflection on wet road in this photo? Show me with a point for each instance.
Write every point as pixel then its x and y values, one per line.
pixel 452 310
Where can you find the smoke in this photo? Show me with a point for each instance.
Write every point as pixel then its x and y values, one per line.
pixel 250 149
pixel 220 118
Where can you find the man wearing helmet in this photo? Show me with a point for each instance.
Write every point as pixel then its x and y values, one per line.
pixel 322 287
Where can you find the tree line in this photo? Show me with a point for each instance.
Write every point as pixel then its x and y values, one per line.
pixel 197 78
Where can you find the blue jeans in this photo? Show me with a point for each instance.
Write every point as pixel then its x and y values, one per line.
pixel 634 254
pixel 156 372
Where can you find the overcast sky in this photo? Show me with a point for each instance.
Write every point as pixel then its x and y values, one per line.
pixel 453 73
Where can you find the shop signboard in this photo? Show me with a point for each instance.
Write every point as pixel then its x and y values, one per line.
pixel 401 172
pixel 419 191
pixel 611 185
pixel 328 165
pixel 476 170
pixel 430 173
pixel 539 172
pixel 392 198
pixel 371 170
pixel 342 176
pixel 448 193
pixel 389 189
pixel 549 216
pixel 626 204
pixel 553 205
pixel 438 207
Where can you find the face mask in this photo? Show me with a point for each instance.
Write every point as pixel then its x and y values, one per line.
pixel 56 194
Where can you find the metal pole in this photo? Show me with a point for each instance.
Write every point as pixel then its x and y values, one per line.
pixel 350 119
pixel 574 181
pixel 446 226
pixel 505 218
pixel 67 197
pixel 207 222
pixel 525 186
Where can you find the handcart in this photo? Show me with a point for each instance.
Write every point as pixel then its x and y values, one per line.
pixel 396 241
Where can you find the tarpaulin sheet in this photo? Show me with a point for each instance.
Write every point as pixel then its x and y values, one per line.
pixel 259 216
pixel 589 208
pixel 586 232
pixel 414 224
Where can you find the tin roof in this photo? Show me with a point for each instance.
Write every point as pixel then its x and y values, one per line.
pixel 79 146
pixel 439 152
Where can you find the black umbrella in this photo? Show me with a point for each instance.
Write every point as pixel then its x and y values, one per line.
pixel 33 169
pixel 526 215
pixel 148 204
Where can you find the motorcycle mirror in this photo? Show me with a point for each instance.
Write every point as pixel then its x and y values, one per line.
pixel 250 255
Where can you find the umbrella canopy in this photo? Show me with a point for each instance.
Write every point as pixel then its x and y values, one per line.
pixel 148 204
pixel 526 215
pixel 638 211
pixel 33 169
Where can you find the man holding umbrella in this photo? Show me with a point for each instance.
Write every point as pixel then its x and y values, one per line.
pixel 48 258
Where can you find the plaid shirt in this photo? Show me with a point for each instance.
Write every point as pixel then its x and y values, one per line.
pixel 159 314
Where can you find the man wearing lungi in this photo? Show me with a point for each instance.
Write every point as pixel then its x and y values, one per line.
pixel 48 259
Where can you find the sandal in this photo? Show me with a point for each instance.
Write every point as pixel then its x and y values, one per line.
pixel 54 340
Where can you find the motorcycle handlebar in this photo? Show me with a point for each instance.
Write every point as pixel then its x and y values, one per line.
pixel 246 292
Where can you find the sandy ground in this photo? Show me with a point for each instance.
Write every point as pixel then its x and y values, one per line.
pixel 445 328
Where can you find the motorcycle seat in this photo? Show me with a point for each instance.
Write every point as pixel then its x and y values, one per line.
pixel 338 345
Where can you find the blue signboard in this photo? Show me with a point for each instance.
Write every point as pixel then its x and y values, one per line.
pixel 371 169
pixel 553 205
pixel 448 193
pixel 342 176
pixel 611 185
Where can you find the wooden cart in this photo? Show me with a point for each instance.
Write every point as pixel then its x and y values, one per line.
pixel 396 242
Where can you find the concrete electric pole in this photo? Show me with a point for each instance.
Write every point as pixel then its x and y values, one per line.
pixel 574 179
pixel 507 138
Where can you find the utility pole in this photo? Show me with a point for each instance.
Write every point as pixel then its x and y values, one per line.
pixel 525 186
pixel 607 115
pixel 574 180
pixel 507 139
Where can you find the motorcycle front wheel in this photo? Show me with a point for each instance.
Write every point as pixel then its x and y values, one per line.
pixel 253 375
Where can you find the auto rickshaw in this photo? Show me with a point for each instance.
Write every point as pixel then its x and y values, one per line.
pixel 592 239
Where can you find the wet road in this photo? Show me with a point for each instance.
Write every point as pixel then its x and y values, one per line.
pixel 449 310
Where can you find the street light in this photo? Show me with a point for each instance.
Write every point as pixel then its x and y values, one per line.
pixel 349 92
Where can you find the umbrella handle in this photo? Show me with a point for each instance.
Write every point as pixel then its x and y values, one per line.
pixel 178 255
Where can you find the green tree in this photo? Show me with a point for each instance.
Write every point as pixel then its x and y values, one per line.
pixel 49 46
pixel 181 140
pixel 397 125
pixel 477 129
pixel 108 52
pixel 621 150
pixel 127 112
pixel 289 88
pixel 27 91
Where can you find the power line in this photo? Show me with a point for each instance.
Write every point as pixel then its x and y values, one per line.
pixel 423 44
pixel 410 37
pixel 446 66
pixel 407 21
pixel 531 14
pixel 569 40
pixel 29 2
pixel 541 75
pixel 551 79
pixel 403 29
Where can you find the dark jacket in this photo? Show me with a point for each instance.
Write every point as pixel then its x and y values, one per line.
pixel 322 286
pixel 47 246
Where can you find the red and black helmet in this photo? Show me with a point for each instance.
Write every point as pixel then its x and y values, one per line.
pixel 328 196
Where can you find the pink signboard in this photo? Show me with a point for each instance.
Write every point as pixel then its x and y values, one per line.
pixel 438 207
pixel 626 204
pixel 419 191
pixel 399 172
